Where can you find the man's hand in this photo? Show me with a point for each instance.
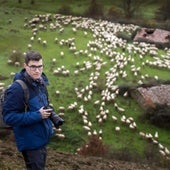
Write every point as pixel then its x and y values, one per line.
pixel 45 113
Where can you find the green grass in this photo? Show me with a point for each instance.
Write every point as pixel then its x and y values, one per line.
pixel 19 38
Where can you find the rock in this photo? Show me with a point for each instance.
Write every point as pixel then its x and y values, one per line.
pixel 156 36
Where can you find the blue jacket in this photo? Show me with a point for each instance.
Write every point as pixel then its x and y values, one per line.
pixel 30 130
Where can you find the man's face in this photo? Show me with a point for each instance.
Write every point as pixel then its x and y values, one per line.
pixel 34 68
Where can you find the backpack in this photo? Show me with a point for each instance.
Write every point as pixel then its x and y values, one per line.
pixel 2 99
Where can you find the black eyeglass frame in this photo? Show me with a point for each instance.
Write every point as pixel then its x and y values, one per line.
pixel 34 67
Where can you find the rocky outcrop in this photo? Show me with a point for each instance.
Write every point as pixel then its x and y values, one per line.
pixel 148 97
pixel 156 36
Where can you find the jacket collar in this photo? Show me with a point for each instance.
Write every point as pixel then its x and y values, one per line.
pixel 23 75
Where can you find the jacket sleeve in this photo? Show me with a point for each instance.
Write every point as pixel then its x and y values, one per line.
pixel 14 113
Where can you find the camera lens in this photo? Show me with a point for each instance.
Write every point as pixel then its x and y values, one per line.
pixel 57 120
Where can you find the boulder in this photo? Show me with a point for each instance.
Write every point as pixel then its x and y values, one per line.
pixel 149 97
pixel 155 36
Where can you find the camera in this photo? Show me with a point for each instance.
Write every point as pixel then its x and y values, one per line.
pixel 57 120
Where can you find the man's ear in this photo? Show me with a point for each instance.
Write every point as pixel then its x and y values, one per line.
pixel 25 65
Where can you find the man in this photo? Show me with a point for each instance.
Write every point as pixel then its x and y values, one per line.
pixel 32 125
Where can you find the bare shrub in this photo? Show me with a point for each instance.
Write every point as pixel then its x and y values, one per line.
pixel 94 147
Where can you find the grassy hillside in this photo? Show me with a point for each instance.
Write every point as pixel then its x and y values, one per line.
pixel 98 52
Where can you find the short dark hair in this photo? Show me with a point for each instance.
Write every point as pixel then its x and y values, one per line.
pixel 32 55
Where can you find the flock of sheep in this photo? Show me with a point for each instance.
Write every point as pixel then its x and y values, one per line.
pixel 104 43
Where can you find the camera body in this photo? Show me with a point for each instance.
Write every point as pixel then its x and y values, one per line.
pixel 57 120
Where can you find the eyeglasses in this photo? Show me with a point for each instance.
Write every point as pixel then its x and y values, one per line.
pixel 34 68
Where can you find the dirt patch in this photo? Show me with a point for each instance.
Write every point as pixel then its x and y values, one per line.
pixel 10 158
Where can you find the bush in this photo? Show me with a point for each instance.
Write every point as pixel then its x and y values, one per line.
pixel 95 10
pixel 125 35
pixel 65 9
pixel 94 147
pixel 166 25
pixel 159 116
pixel 114 12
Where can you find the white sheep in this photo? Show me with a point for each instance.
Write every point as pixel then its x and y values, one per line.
pixel 167 151
pixel 57 92
pixel 39 40
pixel 86 128
pixel 9 61
pixel 114 118
pixel 32 39
pixel 44 43
pixel 117 128
pixel 162 152
pixel 61 136
pixel 61 53
pixel 29 46
pixel 95 132
pixel 142 134
pixel 89 133
pixel 54 60
pixel 156 135
pixel 17 64
pixel 12 74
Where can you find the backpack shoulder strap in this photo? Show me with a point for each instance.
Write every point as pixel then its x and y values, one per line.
pixel 25 88
pixel 46 91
